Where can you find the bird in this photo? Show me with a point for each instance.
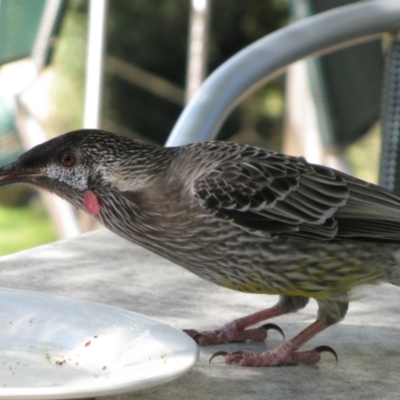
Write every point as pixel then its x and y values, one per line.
pixel 241 217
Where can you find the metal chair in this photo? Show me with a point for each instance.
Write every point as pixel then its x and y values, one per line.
pixel 269 56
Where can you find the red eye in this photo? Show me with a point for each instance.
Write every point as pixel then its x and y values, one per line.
pixel 67 159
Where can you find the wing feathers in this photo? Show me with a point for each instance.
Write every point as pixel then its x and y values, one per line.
pixel 281 195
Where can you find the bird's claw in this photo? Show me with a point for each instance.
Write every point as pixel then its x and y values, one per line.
pixel 274 327
pixel 194 334
pixel 196 337
pixel 237 357
pixel 218 354
pixel 328 349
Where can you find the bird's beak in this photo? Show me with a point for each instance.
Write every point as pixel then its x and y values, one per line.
pixel 13 173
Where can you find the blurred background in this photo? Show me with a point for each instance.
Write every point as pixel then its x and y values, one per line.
pixel 146 86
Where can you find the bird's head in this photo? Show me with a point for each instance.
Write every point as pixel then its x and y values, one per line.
pixel 78 164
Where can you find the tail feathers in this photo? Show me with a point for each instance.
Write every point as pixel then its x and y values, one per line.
pixel 373 230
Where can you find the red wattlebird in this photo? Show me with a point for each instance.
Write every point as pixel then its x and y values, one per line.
pixel 241 217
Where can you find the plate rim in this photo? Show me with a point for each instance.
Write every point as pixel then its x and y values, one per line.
pixel 102 389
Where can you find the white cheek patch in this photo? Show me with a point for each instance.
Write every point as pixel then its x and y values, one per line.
pixel 75 177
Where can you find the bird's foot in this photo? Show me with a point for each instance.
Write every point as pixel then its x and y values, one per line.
pixel 282 355
pixel 232 332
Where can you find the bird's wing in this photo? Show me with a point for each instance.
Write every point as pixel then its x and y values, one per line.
pixel 370 213
pixel 279 195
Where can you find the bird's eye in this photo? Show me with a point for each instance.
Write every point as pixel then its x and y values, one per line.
pixel 67 159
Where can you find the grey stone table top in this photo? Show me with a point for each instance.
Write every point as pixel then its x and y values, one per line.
pixel 103 268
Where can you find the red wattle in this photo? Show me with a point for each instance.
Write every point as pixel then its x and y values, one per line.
pixel 91 203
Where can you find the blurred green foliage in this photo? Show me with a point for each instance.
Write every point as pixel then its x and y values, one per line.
pixel 26 227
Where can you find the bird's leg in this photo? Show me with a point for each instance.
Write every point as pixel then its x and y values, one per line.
pixel 236 331
pixel 287 353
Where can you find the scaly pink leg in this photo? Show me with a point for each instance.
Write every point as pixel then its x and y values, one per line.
pixel 285 354
pixel 236 330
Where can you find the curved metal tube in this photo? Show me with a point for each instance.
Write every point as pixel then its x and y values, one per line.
pixel 265 58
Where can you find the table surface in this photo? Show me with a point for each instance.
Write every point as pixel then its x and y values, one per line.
pixel 103 268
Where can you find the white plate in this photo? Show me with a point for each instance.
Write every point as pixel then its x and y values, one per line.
pixel 59 348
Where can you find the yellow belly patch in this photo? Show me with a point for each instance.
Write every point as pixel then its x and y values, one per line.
pixel 304 289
